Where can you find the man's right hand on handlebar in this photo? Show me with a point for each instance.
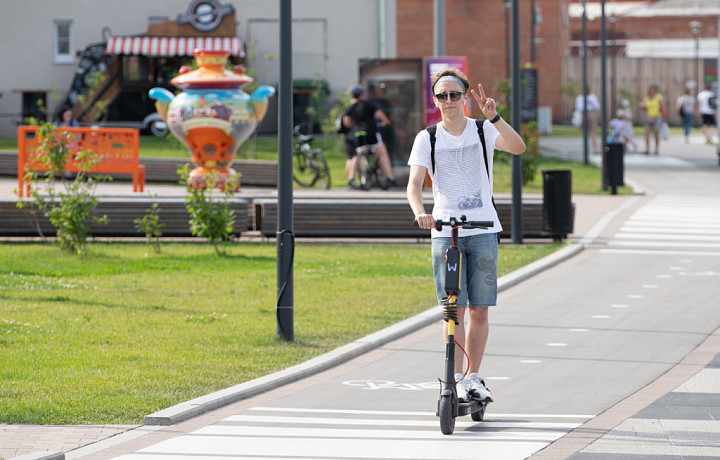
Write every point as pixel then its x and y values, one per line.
pixel 426 221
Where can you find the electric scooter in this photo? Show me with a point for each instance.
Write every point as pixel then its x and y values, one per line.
pixel 449 407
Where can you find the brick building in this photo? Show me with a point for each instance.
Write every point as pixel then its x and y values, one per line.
pixel 480 30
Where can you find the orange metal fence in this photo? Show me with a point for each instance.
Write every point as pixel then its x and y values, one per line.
pixel 117 148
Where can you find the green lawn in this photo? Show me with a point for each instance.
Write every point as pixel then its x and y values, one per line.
pixel 124 332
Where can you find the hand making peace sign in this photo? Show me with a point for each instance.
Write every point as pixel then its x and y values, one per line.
pixel 487 105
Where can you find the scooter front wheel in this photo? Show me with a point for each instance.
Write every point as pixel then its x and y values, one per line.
pixel 446 413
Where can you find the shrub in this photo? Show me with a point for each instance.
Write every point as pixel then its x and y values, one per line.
pixel 70 211
pixel 150 225
pixel 209 218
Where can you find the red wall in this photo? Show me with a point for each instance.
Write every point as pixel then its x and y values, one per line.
pixel 477 29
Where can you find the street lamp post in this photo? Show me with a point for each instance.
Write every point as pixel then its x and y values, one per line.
pixel 603 90
pixel 586 160
pixel 613 69
pixel 535 19
pixel 695 28
pixel 285 236
pixel 516 172
pixel 439 29
pixel 508 39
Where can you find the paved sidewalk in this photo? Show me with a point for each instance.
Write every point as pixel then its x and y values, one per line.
pixel 592 214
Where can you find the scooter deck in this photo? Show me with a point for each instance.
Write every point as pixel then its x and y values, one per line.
pixel 467 408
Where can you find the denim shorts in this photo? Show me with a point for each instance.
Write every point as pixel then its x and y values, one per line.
pixel 478 282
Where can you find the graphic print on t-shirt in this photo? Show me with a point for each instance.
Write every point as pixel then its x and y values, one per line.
pixel 463 176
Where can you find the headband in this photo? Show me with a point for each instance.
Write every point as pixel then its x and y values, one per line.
pixel 449 78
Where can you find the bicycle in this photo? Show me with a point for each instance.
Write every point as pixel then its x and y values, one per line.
pixel 309 164
pixel 368 166
pixel 449 407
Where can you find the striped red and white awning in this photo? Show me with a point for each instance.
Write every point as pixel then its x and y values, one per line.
pixel 173 46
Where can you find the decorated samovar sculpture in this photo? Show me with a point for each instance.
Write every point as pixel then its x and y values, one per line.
pixel 213 116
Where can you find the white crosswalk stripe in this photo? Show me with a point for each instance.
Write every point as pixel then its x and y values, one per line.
pixel 283 433
pixel 672 223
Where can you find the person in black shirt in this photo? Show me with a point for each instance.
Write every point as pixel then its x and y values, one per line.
pixel 360 116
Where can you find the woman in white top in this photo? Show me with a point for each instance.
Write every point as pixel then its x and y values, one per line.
pixel 686 106
pixel 593 106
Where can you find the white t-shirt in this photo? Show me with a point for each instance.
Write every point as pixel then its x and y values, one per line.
pixel 592 102
pixel 460 183
pixel 703 99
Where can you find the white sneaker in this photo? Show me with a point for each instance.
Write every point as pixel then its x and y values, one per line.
pixel 461 386
pixel 476 388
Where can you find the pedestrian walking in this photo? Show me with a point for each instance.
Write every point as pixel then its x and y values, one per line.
pixel 685 106
pixel 654 107
pixel 593 107
pixel 706 106
pixel 629 129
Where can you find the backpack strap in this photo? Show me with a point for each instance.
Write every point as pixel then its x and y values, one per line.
pixel 432 129
pixel 479 124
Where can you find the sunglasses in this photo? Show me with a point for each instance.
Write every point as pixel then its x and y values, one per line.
pixel 454 96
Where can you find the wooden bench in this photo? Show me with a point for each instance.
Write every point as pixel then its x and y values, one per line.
pixel 313 217
pixel 341 217
pixel 121 213
pixel 118 149
pixel 379 218
pixel 254 172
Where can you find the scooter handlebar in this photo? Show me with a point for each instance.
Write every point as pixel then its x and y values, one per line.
pixel 462 222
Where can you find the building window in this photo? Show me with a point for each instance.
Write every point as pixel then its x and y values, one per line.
pixel 62 31
pixel 34 105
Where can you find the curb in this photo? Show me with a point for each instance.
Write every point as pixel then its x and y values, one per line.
pixel 41 456
pixel 197 406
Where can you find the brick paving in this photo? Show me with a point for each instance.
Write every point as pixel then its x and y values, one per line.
pixel 16 440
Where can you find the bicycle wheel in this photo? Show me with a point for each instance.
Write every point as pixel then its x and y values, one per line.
pixel 323 172
pixel 445 411
pixel 366 174
pixel 303 172
pixel 379 177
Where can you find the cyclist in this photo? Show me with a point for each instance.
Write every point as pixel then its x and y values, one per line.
pixel 360 116
pixel 462 185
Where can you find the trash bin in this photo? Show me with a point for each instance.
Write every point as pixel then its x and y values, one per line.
pixel 557 203
pixel 614 166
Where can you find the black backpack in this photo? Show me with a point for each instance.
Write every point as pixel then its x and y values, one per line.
pixel 432 129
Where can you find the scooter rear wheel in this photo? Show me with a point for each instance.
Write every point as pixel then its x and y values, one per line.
pixel 479 415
